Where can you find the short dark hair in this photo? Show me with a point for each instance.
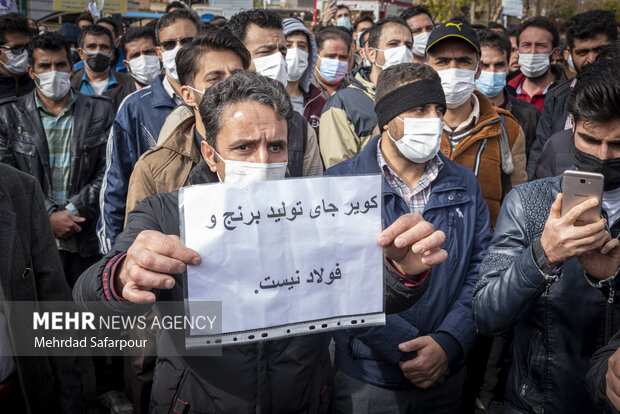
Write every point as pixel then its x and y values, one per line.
pixel 175 5
pixel 218 21
pixel 332 33
pixel 242 86
pixel 94 30
pixel 596 96
pixel 220 39
pixel 541 23
pixel 13 23
pixel 590 24
pixel 362 20
pixel 377 29
pixel 401 74
pixel 111 22
pixel 135 33
pixel 85 16
pixel 495 40
pixel 610 51
pixel 414 11
pixel 342 6
pixel 263 18
pixel 169 19
pixel 495 25
pixel 48 41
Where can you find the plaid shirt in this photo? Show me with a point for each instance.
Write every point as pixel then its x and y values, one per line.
pixel 418 197
pixel 569 118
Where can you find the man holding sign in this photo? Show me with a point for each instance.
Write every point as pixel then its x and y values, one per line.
pixel 414 364
pixel 247 120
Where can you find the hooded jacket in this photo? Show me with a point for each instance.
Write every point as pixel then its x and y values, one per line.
pixel 479 150
pixel 559 322
pixel 313 99
pixel 348 119
pixel 292 375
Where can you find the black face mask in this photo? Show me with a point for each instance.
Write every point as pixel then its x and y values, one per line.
pixel 98 62
pixel 609 168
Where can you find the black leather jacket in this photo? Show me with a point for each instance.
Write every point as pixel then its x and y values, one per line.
pixel 558 324
pixel 23 145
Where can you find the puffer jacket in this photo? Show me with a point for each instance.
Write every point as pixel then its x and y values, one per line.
pixel 291 375
pixel 348 119
pixel 23 145
pixel 558 323
pixel 480 151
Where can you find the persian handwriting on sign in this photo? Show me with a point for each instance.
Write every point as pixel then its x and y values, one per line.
pixel 232 219
pixel 268 283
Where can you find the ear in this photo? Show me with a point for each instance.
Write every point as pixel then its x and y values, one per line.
pixel 372 55
pixel 82 53
pixel 126 63
pixel 31 74
pixel 159 55
pixel 208 154
pixel 188 96
pixel 478 69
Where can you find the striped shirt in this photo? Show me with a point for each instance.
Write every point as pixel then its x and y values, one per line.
pixel 58 131
pixel 415 198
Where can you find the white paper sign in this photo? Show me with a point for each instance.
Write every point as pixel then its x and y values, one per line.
pixel 286 257
pixel 512 8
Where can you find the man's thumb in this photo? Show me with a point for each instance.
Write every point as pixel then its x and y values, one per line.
pixel 411 346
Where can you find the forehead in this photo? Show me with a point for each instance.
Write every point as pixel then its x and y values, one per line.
pixel 535 34
pixel 107 26
pixel 489 54
pixel 334 46
pixel 98 39
pixel 256 36
pixel 251 120
pixel 49 56
pixel 363 26
pixel 394 30
pixel 419 20
pixel 139 44
pixel 590 42
pixel 179 29
pixel 606 131
pixel 16 38
pixel 218 60
pixel 297 37
pixel 343 11
pixel 452 47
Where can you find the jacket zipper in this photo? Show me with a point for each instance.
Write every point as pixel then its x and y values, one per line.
pixel 530 362
pixel 483 145
pixel 473 131
pixel 610 301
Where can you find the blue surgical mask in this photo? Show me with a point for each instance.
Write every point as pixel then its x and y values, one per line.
pixel 491 84
pixel 344 22
pixel 333 70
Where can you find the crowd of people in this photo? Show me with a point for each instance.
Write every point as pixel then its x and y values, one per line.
pixel 498 299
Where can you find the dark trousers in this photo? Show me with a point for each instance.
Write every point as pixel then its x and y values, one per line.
pixel 74 265
pixel 357 397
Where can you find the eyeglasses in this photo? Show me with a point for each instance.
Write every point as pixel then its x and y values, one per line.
pixel 16 50
pixel 172 43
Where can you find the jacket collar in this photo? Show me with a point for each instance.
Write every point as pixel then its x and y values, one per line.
pixel 449 178
pixel 182 138
pixel 201 174
pixel 361 80
pixel 160 96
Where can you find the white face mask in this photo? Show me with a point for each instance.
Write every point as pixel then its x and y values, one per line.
pixel 419 44
pixel 396 55
pixel 53 84
pixel 169 57
pixel 458 85
pixel 247 172
pixel 273 66
pixel 145 68
pixel 16 64
pixel 421 139
pixel 533 65
pixel 297 63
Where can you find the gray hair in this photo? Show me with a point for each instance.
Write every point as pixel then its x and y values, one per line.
pixel 243 86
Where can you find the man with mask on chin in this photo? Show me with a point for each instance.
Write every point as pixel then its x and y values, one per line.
pixel 138 46
pixel 415 363
pixel 261 32
pixel 14 37
pixel 536 40
pixel 476 134
pixel 58 136
pixel 553 278
pixel 96 49
pixel 247 119
pixel 139 121
pixel 348 118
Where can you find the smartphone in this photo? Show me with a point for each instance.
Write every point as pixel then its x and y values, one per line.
pixel 579 186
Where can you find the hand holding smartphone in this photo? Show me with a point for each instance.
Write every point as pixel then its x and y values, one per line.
pixel 579 186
